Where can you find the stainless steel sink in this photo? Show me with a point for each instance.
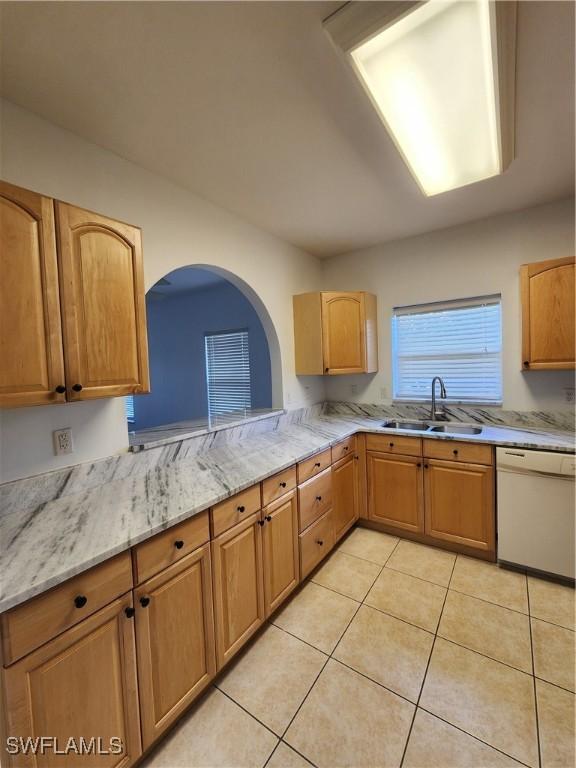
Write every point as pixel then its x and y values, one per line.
pixel 457 429
pixel 417 426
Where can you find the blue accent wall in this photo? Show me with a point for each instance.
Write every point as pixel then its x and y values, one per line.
pixel 177 324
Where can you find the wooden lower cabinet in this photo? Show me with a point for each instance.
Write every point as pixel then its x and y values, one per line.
pixel 280 550
pixel 175 640
pixel 345 510
pixel 459 504
pixel 238 586
pixel 395 491
pixel 81 684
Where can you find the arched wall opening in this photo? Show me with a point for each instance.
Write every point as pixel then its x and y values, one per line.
pixel 184 308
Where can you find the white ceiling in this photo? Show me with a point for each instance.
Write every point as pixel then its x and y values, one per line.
pixel 248 105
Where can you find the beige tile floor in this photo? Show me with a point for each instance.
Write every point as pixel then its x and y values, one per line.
pixel 396 654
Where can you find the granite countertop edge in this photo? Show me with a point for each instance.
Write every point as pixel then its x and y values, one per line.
pixel 22 582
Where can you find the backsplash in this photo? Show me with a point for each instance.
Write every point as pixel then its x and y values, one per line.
pixel 563 421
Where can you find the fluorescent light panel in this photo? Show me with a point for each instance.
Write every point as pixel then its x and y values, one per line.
pixel 432 75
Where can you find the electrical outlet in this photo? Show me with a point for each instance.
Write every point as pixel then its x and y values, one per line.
pixel 354 389
pixel 569 395
pixel 383 393
pixel 62 441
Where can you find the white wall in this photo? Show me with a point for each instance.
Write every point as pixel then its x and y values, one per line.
pixel 471 260
pixel 178 229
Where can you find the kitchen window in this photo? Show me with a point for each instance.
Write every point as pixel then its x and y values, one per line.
pixel 461 341
pixel 228 374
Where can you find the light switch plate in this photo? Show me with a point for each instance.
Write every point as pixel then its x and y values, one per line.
pixel 62 441
pixel 569 395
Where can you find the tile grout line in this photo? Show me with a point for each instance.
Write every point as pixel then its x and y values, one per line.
pixel 534 677
pixel 427 667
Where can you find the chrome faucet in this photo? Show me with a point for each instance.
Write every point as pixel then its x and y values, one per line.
pixel 438 414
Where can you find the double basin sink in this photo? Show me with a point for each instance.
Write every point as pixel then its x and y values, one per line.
pixel 431 426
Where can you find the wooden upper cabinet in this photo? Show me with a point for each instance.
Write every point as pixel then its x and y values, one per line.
pixel 335 333
pixel 103 307
pixel 548 311
pixel 175 640
pixel 81 684
pixel 31 357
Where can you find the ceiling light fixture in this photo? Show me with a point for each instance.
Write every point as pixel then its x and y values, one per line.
pixel 441 76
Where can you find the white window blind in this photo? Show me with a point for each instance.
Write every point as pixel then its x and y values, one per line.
pixel 129 408
pixel 461 341
pixel 228 373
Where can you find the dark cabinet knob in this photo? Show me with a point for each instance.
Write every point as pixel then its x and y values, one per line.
pixel 391 445
pixel 317 464
pixel 425 466
pixel 318 498
pixel 455 452
pixel 260 522
pixel 282 485
pixel 269 518
pixel 60 389
pixel 326 370
pixel 129 612
pixel 144 602
pixel 80 601
pixel 77 387
pixel 320 542
pixel 179 544
pixel 241 508
pixel 346 447
pixel 526 364
pixel 419 464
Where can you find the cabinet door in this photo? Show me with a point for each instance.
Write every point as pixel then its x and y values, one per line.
pixel 460 503
pixel 548 309
pixel 82 684
pixel 395 491
pixel 343 333
pixel 280 550
pixel 238 586
pixel 103 306
pixel 175 640
pixel 30 331
pixel 344 495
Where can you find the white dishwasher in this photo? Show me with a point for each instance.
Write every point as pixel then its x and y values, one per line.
pixel 536 510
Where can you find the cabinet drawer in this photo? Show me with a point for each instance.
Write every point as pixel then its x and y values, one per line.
pixel 234 510
pixel 408 446
pixel 39 620
pixel 344 448
pixel 314 465
pixel 168 547
pixel 454 450
pixel 315 543
pixel 314 498
pixel 277 485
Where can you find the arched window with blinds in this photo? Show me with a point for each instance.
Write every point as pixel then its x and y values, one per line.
pixel 228 374
pixel 461 341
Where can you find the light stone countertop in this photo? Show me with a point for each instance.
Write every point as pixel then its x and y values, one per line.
pixel 44 546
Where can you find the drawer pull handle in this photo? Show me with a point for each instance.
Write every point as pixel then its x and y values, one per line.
pixel 129 612
pixel 144 602
pixel 241 508
pixel 77 387
pixel 269 518
pixel 318 498
pixel 346 447
pixel 455 452
pixel 526 364
pixel 391 445
pixel 60 389
pixel 260 522
pixel 320 542
pixel 80 601
pixel 419 464
pixel 282 485
pixel 317 464
pixel 425 466
pixel 179 544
